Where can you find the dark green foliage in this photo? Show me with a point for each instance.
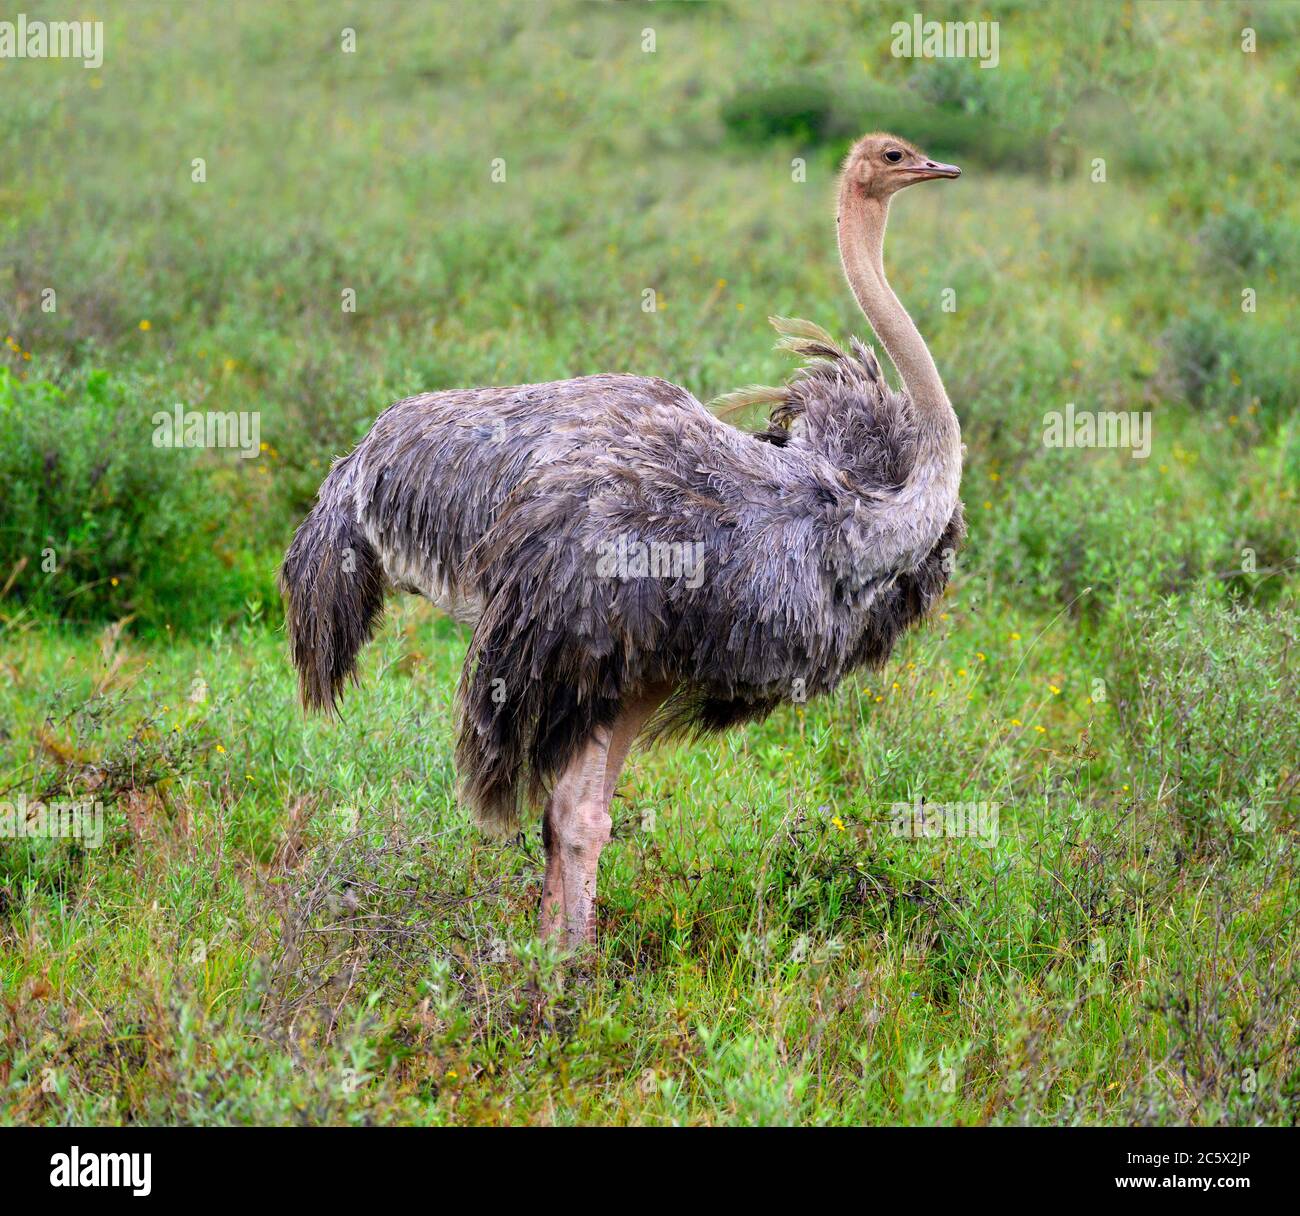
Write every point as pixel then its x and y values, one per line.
pixel 99 524
pixel 793 110
pixel 1240 239
pixel 1211 698
pixel 1227 359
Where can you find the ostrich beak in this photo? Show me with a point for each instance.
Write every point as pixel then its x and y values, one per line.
pixel 930 169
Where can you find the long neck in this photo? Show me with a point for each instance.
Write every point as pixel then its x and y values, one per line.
pixel 862 238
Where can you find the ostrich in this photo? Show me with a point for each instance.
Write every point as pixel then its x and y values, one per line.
pixel 632 565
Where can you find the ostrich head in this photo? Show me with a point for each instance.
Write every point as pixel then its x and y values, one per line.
pixel 882 164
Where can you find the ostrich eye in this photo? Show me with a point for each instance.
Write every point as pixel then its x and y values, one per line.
pixel 893 156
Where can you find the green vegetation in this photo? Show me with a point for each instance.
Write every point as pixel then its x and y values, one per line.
pixel 294 921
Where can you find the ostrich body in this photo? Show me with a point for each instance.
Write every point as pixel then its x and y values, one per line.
pixel 762 568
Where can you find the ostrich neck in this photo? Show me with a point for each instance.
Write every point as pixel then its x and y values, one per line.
pixel 861 239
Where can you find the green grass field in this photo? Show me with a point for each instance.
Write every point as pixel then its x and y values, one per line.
pixel 293 921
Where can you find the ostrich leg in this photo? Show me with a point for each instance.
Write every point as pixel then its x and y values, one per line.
pixel 576 830
pixel 576 825
pixel 552 916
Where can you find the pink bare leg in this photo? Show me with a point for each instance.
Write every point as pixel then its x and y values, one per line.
pixel 552 918
pixel 634 715
pixel 581 828
pixel 577 824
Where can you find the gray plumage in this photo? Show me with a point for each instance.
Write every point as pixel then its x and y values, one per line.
pixel 494 503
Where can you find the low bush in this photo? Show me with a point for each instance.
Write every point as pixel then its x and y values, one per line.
pixel 100 525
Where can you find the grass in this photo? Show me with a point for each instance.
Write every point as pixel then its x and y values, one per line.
pixel 294 921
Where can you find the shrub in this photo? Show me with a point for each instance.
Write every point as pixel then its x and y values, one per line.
pixel 99 525
pixel 1210 700
pixel 1216 357
pixel 797 110
pixel 957 84
pixel 1241 238
pixel 1073 522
